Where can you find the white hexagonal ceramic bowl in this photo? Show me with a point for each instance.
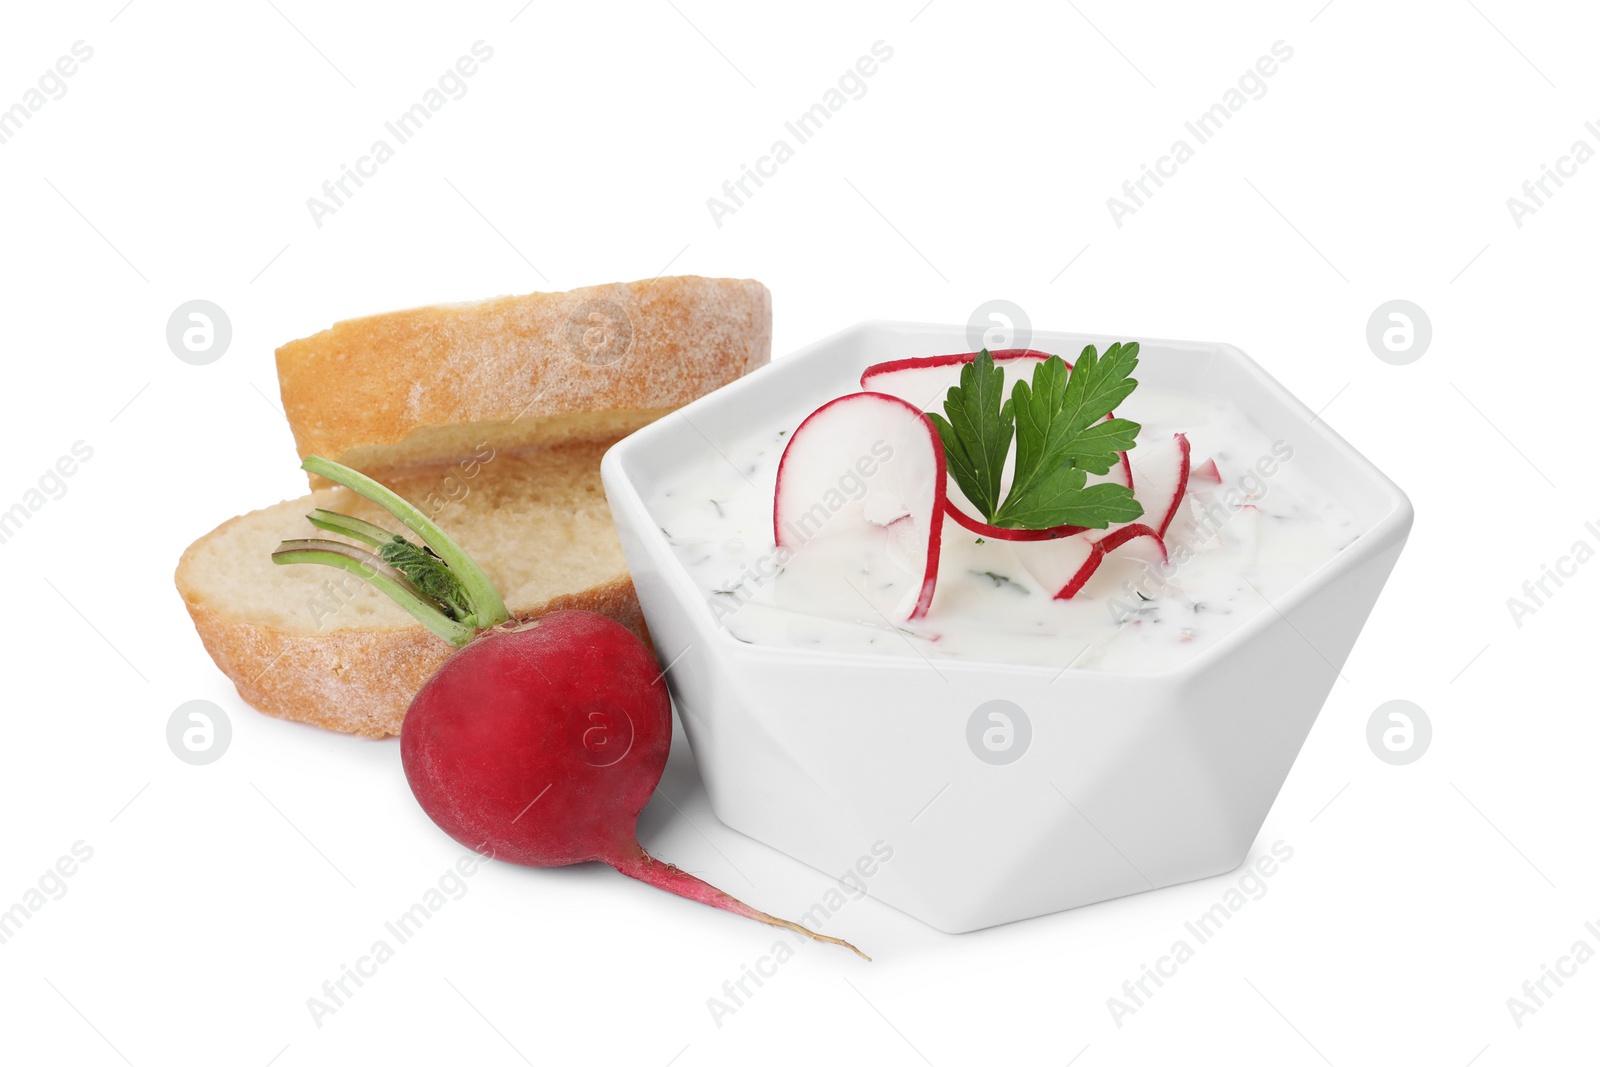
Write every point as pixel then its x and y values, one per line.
pixel 1131 781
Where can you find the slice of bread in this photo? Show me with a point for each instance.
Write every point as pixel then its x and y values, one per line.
pixel 512 472
pixel 416 387
pixel 319 645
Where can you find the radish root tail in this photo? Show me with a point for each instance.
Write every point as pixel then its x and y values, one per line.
pixel 639 864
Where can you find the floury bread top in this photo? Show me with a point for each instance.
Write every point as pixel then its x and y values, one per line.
pixel 416 388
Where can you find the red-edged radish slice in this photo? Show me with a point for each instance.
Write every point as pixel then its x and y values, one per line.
pixel 1001 533
pixel 1160 480
pixel 1103 547
pixel 925 380
pixel 1065 566
pixel 1207 472
pixel 891 447
pixel 1056 564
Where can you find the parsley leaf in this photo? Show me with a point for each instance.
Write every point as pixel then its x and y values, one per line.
pixel 977 432
pixel 1064 500
pixel 1064 431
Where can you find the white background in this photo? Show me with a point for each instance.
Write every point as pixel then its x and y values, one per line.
pixel 977 165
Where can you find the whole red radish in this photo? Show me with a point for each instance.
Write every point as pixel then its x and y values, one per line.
pixel 539 742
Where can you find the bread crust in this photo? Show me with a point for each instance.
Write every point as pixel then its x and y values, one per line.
pixel 381 392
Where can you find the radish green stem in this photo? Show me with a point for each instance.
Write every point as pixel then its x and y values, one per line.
pixel 349 526
pixel 488 609
pixel 380 576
